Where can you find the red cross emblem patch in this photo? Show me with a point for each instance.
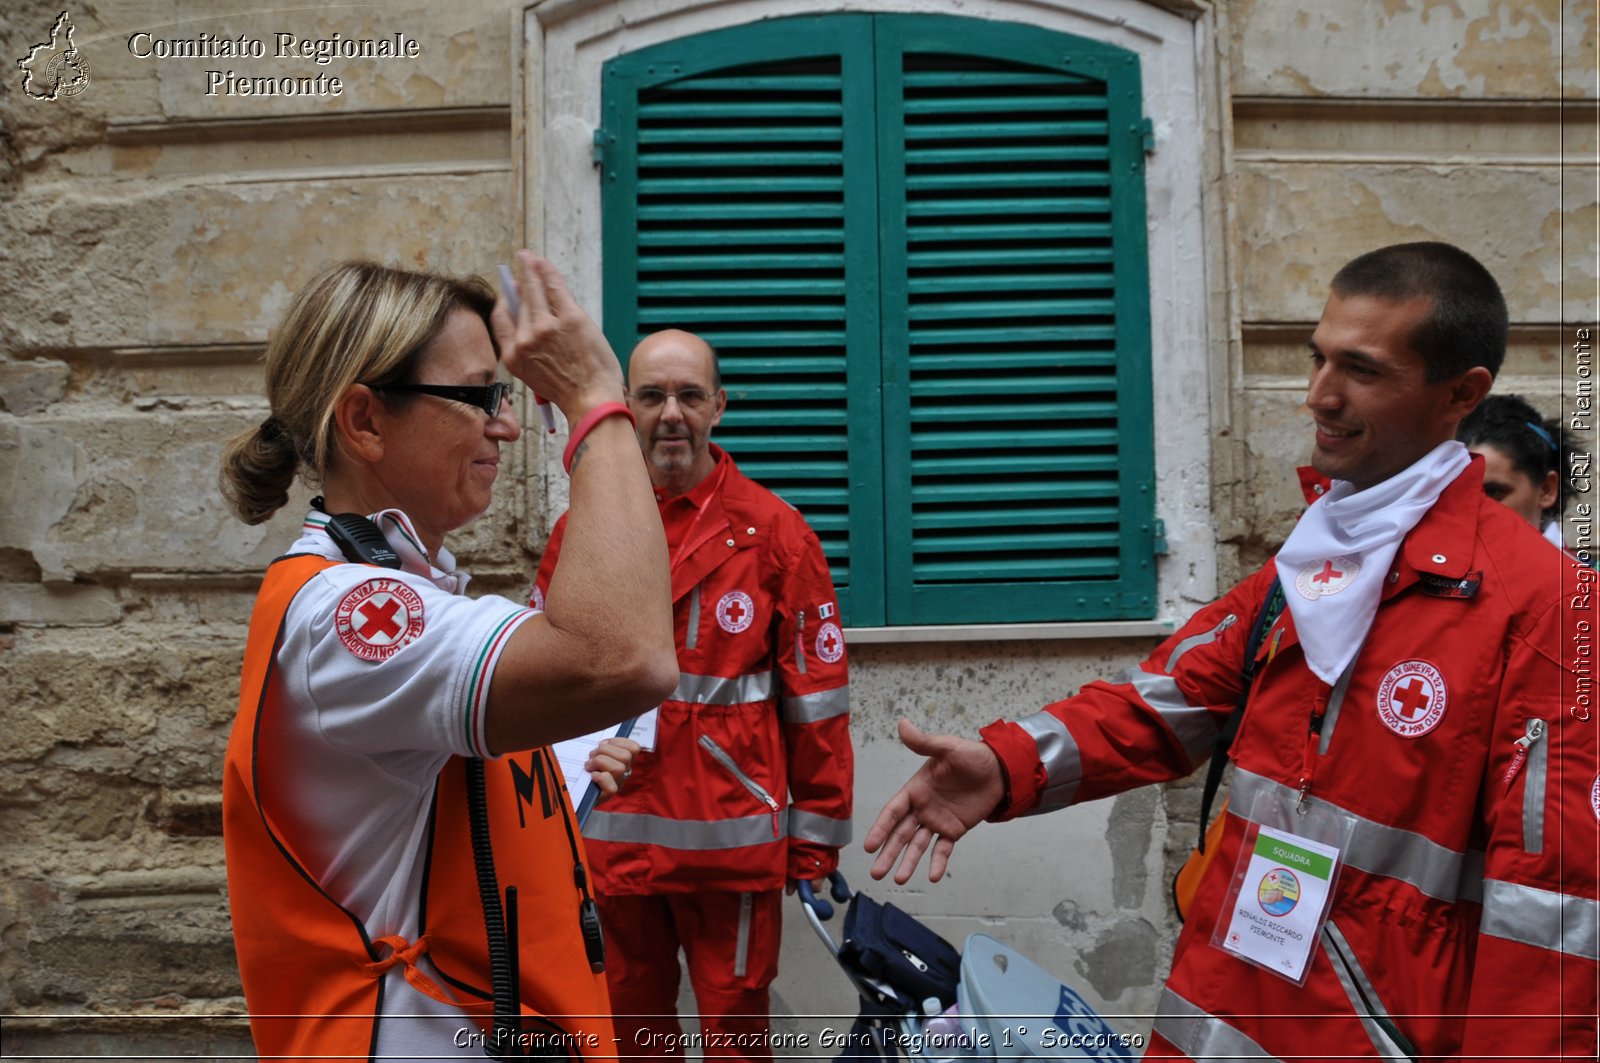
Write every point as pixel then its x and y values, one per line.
pixel 736 611
pixel 830 643
pixel 379 617
pixel 1594 797
pixel 1412 699
pixel 1326 577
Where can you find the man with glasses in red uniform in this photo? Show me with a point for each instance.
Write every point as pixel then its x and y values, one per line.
pixel 744 783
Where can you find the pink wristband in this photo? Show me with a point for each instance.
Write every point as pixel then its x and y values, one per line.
pixel 586 423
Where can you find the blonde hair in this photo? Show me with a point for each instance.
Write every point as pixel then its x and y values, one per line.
pixel 357 322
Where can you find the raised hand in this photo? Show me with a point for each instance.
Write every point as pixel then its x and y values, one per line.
pixel 552 345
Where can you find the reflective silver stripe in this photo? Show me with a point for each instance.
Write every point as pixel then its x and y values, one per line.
pixel 1194 725
pixel 1335 700
pixel 694 619
pixel 823 705
pixel 1378 849
pixel 1360 991
pixel 1199 640
pixel 1063 766
pixel 741 949
pixel 824 830
pixel 720 690
pixel 1201 1036
pixel 692 834
pixel 1545 920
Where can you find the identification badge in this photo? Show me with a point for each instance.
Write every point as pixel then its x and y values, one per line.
pixel 644 730
pixel 1282 886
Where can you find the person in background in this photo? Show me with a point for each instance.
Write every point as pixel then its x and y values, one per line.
pixel 746 785
pixel 404 873
pixel 1417 756
pixel 1524 459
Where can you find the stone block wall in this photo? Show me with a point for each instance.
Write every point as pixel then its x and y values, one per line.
pixel 154 235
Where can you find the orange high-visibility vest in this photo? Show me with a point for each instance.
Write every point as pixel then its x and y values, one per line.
pixel 312 974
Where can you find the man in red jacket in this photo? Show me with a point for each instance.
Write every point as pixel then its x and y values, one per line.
pixel 1411 851
pixel 746 784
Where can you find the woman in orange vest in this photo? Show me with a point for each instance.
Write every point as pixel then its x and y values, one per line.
pixel 404 872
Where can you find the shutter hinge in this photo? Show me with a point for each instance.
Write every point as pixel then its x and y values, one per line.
pixel 1160 544
pixel 600 141
pixel 1147 136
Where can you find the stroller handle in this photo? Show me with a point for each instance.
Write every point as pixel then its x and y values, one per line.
pixel 837 886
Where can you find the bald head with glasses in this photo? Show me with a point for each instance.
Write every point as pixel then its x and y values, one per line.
pixel 676 395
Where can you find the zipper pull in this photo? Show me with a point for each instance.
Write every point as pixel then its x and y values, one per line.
pixel 772 803
pixel 1534 732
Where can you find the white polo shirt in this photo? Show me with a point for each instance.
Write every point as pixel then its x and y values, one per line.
pixel 388 673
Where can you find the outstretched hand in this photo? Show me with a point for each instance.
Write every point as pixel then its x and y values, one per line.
pixel 955 789
pixel 552 345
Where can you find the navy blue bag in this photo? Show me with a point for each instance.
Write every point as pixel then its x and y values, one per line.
pixel 893 948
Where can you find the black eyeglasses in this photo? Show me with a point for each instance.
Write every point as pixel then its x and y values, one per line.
pixel 688 398
pixel 487 398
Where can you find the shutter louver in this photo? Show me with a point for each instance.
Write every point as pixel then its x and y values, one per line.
pixel 741 239
pixel 1011 365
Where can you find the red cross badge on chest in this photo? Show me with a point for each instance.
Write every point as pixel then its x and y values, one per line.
pixel 736 611
pixel 1322 578
pixel 379 617
pixel 1412 698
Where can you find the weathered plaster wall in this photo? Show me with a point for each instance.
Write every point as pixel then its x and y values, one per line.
pixel 1358 124
pixel 152 235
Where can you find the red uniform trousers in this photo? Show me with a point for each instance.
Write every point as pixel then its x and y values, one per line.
pixel 731 943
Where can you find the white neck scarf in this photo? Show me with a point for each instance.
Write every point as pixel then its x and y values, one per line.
pixel 1334 563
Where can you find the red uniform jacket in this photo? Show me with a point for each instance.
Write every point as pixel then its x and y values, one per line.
pixel 1464 920
pixel 750 780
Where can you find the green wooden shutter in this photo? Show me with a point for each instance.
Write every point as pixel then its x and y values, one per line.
pixel 918 243
pixel 1016 335
pixel 735 221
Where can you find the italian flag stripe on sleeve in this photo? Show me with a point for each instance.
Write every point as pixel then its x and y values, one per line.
pixel 482 669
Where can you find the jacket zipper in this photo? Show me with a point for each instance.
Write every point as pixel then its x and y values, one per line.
pixel 1534 732
pixel 800 642
pixel 721 757
pixel 1200 640
pixel 1530 753
pixel 1363 996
